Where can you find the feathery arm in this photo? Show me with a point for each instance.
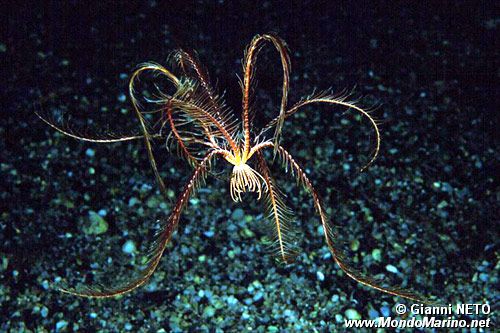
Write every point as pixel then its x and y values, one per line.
pixel 290 164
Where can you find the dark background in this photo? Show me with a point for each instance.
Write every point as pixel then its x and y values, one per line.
pixel 429 203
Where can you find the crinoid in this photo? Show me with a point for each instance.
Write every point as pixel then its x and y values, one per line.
pixel 203 129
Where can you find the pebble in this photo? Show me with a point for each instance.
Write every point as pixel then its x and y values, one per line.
pixel 133 201
pixel 5 264
pixel 483 277
pixel 442 204
pixel 45 284
pixel 386 312
pixel 247 233
pixel 352 314
pixel 377 255
pixel 258 296
pixel 128 247
pixel 446 187
pixel 320 276
pixel 208 312
pixel 122 98
pixel 60 325
pixel 372 313
pixel 90 152
pixel 290 314
pixel 392 269
pixel 231 300
pixel 97 224
pixel 209 234
pixel 153 202
pixel 238 214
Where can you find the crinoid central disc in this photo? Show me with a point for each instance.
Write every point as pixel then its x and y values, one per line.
pixel 245 179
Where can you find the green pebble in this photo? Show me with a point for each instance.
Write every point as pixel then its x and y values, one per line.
pixel 5 264
pixel 377 255
pixel 442 204
pixel 67 203
pixel 202 258
pixel 398 247
pixel 153 202
pixel 208 312
pixel 96 226
pixel 352 314
pixel 368 215
pixel 272 329
pixel 355 245
pixel 257 284
pixel 231 254
pixel 247 233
